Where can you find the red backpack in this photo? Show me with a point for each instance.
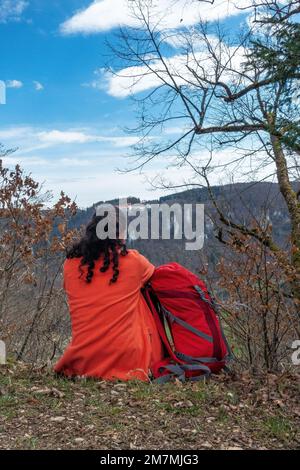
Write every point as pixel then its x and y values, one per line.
pixel 188 325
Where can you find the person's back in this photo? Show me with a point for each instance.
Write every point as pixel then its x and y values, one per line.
pixel 114 335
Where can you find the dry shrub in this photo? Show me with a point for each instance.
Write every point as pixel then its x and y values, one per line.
pixel 258 307
pixel 33 237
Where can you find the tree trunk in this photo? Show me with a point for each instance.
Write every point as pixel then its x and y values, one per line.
pixel 293 205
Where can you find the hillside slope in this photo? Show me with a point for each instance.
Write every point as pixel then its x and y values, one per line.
pixel 243 202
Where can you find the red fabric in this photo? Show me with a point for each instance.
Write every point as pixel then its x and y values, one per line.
pixel 174 287
pixel 114 335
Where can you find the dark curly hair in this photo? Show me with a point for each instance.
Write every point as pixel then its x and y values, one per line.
pixel 90 248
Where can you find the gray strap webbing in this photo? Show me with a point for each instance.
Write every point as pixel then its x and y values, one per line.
pixel 163 379
pixel 187 358
pixel 197 367
pixel 186 325
pixel 213 304
pixel 194 367
pixel 202 295
pixel 177 371
pixel 175 368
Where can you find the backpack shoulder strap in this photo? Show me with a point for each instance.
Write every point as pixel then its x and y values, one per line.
pixel 148 293
pixel 213 305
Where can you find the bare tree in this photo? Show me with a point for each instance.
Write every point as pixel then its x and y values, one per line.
pixel 221 92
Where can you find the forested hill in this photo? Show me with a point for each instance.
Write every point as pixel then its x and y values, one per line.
pixel 243 202
pixel 254 198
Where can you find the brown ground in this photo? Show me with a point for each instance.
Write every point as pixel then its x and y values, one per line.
pixel 40 411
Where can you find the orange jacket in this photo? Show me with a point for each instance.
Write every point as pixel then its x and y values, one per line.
pixel 114 335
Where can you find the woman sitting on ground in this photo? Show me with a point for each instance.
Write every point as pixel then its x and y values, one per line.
pixel 113 333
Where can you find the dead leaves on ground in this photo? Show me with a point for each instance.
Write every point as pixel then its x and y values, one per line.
pixel 38 410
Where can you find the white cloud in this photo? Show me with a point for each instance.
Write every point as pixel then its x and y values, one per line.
pixel 72 162
pixel 11 10
pixel 27 162
pixel 136 79
pixel 174 130
pixel 124 141
pixel 30 139
pixel 87 171
pixel 99 82
pixel 57 137
pixel 104 15
pixel 99 16
pixel 38 86
pixel 14 84
pixel 107 184
pixel 14 132
pixel 178 39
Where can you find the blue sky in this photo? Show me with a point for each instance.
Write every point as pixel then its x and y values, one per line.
pixel 62 113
